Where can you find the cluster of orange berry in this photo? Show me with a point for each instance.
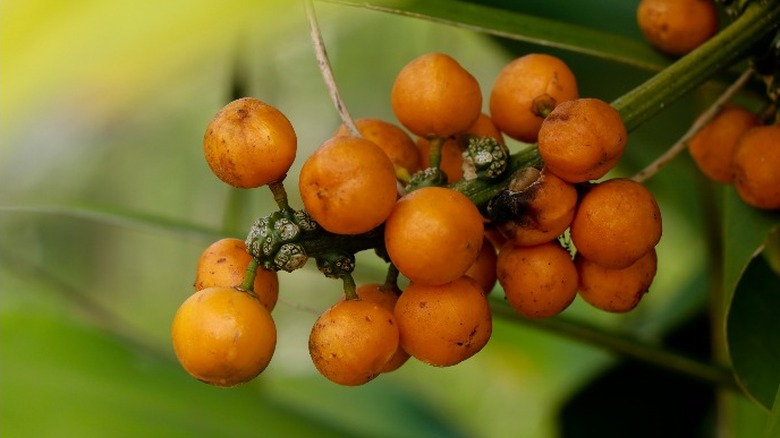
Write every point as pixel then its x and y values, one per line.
pixel 736 148
pixel 380 189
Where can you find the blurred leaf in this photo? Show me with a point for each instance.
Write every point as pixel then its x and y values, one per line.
pixel 236 212
pixel 112 215
pixel 753 333
pixel 522 27
pixel 636 395
pixel 773 425
pixel 85 383
pixel 745 229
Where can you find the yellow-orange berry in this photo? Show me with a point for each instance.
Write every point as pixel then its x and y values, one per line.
pixel 433 235
pixel 536 211
pixel 712 148
pixel 249 143
pixel 434 96
pixel 615 290
pixel 224 264
pixel 386 298
pixel 676 27
pixel 757 167
pixel 526 90
pixel 539 281
pixel 617 222
pixel 223 337
pixel 348 185
pixel 483 271
pixel 446 324
pixel 396 143
pixel 582 139
pixel 352 341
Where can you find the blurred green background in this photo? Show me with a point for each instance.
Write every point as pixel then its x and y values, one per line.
pixel 106 203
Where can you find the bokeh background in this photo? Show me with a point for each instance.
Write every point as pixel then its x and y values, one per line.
pixel 106 203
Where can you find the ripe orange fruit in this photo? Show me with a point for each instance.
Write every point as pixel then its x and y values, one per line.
pixel 352 341
pixel 530 214
pixel 433 235
pixel 712 148
pixel 224 264
pixel 483 271
pixel 396 143
pixel 223 337
pixel 615 290
pixel 434 96
pixel 249 144
pixel 526 90
pixel 582 139
pixel 348 185
pixel 617 222
pixel 376 293
pixel 445 324
pixel 676 27
pixel 539 281
pixel 757 167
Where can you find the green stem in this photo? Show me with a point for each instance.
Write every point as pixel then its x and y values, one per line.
pixel 712 57
pixel 324 242
pixel 480 191
pixel 248 284
pixel 434 151
pixel 627 347
pixel 391 280
pixel 350 289
pixel 280 194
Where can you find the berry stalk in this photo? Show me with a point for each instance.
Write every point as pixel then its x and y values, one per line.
pixel 718 53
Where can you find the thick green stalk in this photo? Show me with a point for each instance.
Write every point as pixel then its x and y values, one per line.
pixel 721 51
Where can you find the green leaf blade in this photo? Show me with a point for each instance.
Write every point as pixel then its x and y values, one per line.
pixel 523 27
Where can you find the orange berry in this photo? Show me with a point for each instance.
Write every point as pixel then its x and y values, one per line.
pixel 615 290
pixel 617 222
pixel 494 235
pixel 352 341
pixel 249 144
pixel 396 143
pixel 526 90
pixel 446 324
pixel 224 264
pixel 582 139
pixel 433 235
pixel 376 293
pixel 676 27
pixel 530 213
pixel 712 148
pixel 539 281
pixel 348 185
pixel 757 167
pixel 484 127
pixel 434 96
pixel 483 271
pixel 223 337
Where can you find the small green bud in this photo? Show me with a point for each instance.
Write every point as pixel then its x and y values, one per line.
pixel 336 265
pixel 485 158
